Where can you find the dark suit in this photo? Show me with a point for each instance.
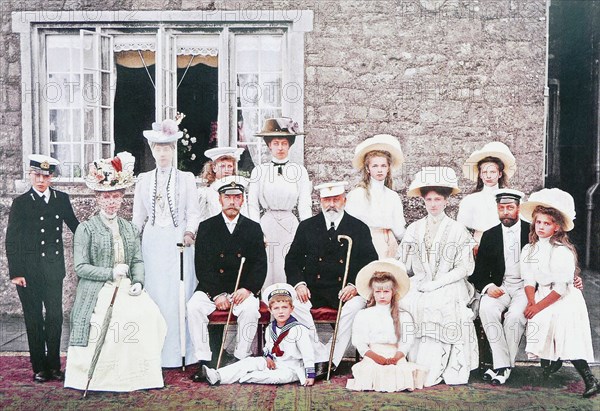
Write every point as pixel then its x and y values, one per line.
pixel 34 248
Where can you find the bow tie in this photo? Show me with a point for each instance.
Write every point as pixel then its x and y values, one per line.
pixel 279 166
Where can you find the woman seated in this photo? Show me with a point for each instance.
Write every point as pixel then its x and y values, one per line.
pixel 108 262
pixel 438 251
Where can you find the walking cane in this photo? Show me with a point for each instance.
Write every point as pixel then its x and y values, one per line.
pixel 237 284
pixel 181 307
pixel 339 312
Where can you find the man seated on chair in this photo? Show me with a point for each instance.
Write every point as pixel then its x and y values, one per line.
pixel 288 355
pixel 315 266
pixel 221 242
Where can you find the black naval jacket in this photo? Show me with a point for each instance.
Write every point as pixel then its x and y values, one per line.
pixel 218 256
pixel 34 234
pixel 320 260
pixel 489 263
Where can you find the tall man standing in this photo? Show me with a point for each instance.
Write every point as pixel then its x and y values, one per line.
pixel 316 262
pixel 36 264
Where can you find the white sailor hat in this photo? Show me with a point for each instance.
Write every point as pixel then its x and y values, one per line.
pixel 331 189
pixel 508 195
pixel 230 185
pixel 42 164
pixel 216 153
pixel 165 132
pixel 278 289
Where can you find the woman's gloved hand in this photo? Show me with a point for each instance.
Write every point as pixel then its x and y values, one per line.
pixel 135 289
pixel 120 271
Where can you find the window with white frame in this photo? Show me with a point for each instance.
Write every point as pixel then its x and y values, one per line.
pixel 101 86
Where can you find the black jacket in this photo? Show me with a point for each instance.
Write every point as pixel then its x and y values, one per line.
pixel 34 234
pixel 218 256
pixel 320 260
pixel 489 263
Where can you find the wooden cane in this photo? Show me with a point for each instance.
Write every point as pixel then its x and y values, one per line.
pixel 237 284
pixel 339 311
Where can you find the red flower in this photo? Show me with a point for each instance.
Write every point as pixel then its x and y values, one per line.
pixel 117 165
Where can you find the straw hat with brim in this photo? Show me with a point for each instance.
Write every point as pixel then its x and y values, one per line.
pixel 553 198
pixel 280 127
pixel 433 177
pixel 493 149
pixel 380 142
pixel 216 153
pixel 230 185
pixel 278 289
pixel 163 133
pixel 111 174
pixel 42 164
pixel 388 265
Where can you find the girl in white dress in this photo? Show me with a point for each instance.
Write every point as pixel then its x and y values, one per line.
pixel 491 168
pixel 383 333
pixel 277 188
pixel 165 206
pixel 558 325
pixel 374 201
pixel 438 251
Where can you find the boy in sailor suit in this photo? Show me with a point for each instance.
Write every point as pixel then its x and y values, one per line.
pixel 288 354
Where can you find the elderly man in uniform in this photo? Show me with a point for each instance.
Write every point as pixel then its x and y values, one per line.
pixel 221 242
pixel 36 264
pixel 316 262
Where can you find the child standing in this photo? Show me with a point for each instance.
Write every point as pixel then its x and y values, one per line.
pixel 288 354
pixel 382 333
pixel 558 325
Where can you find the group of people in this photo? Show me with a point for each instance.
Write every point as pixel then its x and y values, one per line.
pixel 408 295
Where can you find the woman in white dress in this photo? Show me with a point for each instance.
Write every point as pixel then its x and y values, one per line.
pixel 383 333
pixel 277 188
pixel 491 168
pixel 223 163
pixel 374 201
pixel 107 255
pixel 438 251
pixel 165 205
pixel 558 325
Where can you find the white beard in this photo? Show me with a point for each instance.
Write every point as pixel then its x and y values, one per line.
pixel 332 215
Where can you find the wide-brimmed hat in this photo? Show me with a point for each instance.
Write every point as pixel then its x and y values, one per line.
pixel 389 265
pixel 280 127
pixel 380 142
pixel 433 177
pixel 42 164
pixel 493 149
pixel 334 188
pixel 278 289
pixel 554 198
pixel 230 185
pixel 165 132
pixel 216 153
pixel 111 174
pixel 508 195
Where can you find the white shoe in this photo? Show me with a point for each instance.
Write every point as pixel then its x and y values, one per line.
pixel 501 377
pixel 489 375
pixel 212 376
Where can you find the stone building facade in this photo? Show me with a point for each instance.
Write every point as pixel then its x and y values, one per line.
pixel 445 77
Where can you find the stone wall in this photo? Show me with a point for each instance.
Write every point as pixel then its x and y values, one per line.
pixel 444 76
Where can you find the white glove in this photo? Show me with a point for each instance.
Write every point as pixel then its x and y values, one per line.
pixel 120 270
pixel 135 289
pixel 429 286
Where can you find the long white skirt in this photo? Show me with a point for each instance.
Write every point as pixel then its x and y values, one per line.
pixel 279 228
pixel 130 356
pixel 161 262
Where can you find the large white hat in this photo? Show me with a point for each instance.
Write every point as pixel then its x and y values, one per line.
pixel 390 265
pixel 111 174
pixel 433 177
pixel 279 127
pixel 381 142
pixel 230 185
pixel 215 153
pixel 42 164
pixel 554 198
pixel 334 188
pixel 165 132
pixel 278 289
pixel 493 149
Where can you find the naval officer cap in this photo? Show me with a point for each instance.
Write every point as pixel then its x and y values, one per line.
pixel 278 290
pixel 230 185
pixel 42 164
pixel 331 189
pixel 508 195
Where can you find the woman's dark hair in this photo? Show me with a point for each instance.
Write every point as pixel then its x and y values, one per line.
pixel 443 191
pixel 291 139
pixel 502 181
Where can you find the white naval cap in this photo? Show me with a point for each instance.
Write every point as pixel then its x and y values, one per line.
pixel 216 153
pixel 334 188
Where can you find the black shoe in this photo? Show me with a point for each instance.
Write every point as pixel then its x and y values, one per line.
pixel 321 370
pixel 40 376
pixel 551 368
pixel 199 375
pixel 227 359
pixel 56 375
pixel 592 387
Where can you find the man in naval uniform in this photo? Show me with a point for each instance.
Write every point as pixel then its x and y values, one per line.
pixel 315 266
pixel 36 264
pixel 221 242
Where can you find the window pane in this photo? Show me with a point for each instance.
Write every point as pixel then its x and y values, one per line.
pixel 57 91
pixel 76 125
pixel 88 123
pixel 246 58
pixel 89 62
pixel 271 89
pixel 91 90
pixel 59 127
pixel 249 90
pixel 59 53
pixel 105 53
pixel 63 152
pixel 270 53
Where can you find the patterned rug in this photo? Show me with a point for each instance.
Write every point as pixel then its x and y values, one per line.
pixel 524 391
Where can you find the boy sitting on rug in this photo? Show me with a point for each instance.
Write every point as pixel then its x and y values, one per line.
pixel 288 354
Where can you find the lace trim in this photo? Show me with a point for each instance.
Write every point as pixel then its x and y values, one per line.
pixel 198 51
pixel 151 46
